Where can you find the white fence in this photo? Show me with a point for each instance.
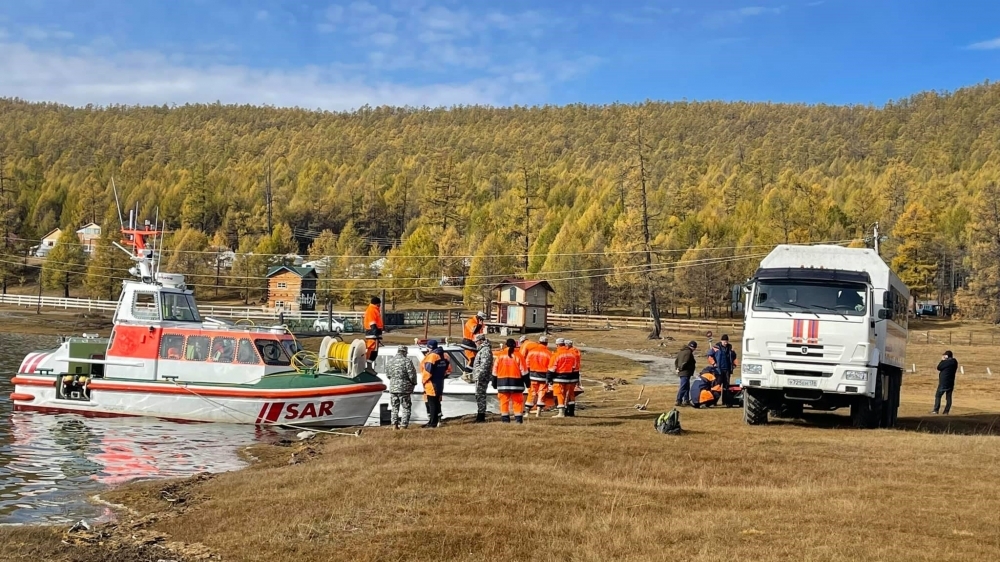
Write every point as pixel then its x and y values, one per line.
pixel 410 318
pixel 639 322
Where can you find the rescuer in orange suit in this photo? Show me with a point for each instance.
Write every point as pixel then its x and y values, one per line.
pixel 562 369
pixel 571 396
pixel 509 368
pixel 433 370
pixel 373 327
pixel 472 328
pixel 537 358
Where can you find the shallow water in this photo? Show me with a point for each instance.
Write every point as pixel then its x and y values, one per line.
pixel 51 463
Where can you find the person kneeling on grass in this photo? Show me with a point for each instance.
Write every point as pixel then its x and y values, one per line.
pixel 705 388
pixel 946 381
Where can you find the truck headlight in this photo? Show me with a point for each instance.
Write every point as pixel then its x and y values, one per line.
pixel 856 375
pixel 752 369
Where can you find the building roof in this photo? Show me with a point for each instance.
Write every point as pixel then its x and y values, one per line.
pixel 525 284
pixel 53 231
pixel 88 225
pixel 300 271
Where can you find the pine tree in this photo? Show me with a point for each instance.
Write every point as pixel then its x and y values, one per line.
pixel 493 261
pixel 66 263
pixel 324 251
pixel 916 256
pixel 108 264
pixel 566 267
pixel 185 254
pixel 982 297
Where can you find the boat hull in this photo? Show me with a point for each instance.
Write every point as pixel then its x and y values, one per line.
pixel 333 406
pixel 452 406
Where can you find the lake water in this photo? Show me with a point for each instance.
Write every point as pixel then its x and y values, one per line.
pixel 51 463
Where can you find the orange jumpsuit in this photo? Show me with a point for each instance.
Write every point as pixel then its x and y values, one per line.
pixel 510 388
pixel 472 327
pixel 433 370
pixel 562 369
pixel 571 397
pixel 538 357
pixel 373 315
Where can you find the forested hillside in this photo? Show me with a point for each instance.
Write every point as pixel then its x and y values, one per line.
pixel 556 192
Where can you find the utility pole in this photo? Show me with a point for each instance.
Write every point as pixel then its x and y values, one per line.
pixel 268 198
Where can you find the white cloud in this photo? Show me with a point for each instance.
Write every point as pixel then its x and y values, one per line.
pixel 985 45
pixel 262 15
pixel 723 18
pixel 152 79
pixel 36 33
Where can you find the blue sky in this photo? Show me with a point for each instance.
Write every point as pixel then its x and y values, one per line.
pixel 344 54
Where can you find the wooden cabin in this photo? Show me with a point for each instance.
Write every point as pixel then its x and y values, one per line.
pixel 47 243
pixel 291 288
pixel 522 305
pixel 89 235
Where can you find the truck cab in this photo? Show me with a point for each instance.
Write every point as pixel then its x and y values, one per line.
pixel 825 328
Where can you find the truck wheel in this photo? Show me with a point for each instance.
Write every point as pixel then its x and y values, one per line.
pixel 754 408
pixel 890 408
pixel 866 413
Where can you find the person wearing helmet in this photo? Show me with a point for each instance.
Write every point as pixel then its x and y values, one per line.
pixel 402 377
pixel 482 372
pixel 473 327
pixel 561 377
pixel 537 357
pixel 684 365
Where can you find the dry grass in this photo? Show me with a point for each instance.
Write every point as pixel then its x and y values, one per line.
pixel 606 486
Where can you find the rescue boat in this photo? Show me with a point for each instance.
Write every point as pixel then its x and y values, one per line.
pixel 163 360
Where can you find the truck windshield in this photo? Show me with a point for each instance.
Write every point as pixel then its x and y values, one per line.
pixel 848 299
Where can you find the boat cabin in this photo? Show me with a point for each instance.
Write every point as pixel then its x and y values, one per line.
pixel 158 330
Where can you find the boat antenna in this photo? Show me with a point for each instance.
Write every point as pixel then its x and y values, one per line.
pixel 118 205
pixel 156 263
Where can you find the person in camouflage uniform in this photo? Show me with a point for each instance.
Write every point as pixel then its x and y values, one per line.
pixel 402 378
pixel 482 373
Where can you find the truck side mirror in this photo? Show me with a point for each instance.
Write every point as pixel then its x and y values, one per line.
pixel 885 314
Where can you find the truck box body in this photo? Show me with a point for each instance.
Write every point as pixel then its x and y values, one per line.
pixel 814 332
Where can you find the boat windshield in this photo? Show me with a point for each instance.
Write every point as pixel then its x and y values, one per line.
pixel 273 352
pixel 847 299
pixel 179 307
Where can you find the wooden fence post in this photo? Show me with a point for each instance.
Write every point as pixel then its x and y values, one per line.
pixel 427 322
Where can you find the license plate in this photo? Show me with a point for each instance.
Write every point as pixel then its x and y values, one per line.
pixel 802 382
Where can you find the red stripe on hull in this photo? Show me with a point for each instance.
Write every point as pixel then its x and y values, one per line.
pixel 21 397
pixel 263 408
pixel 237 393
pixel 274 412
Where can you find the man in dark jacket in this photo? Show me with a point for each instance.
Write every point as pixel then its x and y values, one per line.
pixel 684 364
pixel 725 359
pixel 946 381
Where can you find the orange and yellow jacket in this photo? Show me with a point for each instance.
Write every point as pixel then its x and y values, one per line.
pixel 509 370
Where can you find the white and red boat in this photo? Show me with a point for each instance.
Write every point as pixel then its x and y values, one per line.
pixel 163 360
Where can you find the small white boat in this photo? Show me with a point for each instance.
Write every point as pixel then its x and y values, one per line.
pixel 458 399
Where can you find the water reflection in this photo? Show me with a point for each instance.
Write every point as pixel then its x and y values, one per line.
pixel 50 463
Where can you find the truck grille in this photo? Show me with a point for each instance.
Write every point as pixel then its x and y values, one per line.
pixel 805 350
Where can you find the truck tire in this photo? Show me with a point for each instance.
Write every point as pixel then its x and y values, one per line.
pixel 754 408
pixel 890 408
pixel 866 413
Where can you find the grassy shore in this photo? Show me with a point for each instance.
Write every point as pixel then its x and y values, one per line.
pixel 601 486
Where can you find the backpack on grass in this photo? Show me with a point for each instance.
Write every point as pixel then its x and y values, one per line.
pixel 669 422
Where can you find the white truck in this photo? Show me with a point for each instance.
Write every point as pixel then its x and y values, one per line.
pixel 825 328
